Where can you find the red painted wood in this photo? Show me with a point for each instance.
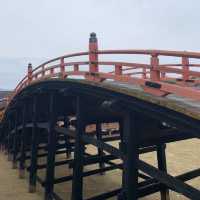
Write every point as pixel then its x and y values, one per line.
pixel 127 72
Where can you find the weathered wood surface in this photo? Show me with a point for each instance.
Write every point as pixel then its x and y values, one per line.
pixel 186 106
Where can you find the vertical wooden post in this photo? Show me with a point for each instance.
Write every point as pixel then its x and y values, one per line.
pixel 43 71
pixel 144 73
pixel 118 70
pixel 6 143
pixel 77 182
pixel 93 56
pixel 67 140
pixel 163 75
pixel 34 148
pixel 121 195
pixel 76 68
pixel 185 64
pixel 100 151
pixel 62 68
pixel 130 158
pixel 154 73
pixel 162 165
pixel 23 144
pixel 30 72
pixel 52 71
pixel 9 140
pixel 52 141
pixel 15 135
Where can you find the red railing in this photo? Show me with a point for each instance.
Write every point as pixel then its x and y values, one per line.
pixel 182 78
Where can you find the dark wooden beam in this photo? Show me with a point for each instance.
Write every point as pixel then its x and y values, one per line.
pixel 77 182
pixel 52 141
pixel 34 148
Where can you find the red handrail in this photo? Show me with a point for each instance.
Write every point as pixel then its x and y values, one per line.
pixel 153 53
pixel 153 77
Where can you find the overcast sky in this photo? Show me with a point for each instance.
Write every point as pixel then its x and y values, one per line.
pixel 33 30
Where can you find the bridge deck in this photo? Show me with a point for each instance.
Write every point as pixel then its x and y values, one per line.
pixel 183 105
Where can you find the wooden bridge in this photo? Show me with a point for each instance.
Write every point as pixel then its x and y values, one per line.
pixel 147 105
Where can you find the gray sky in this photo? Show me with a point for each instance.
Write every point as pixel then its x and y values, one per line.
pixel 39 29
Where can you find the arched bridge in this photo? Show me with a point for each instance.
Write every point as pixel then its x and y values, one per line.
pixel 122 109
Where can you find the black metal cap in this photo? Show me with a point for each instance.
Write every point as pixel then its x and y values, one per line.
pixel 29 65
pixel 93 37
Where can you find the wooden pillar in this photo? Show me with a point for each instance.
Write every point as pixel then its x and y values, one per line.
pixel 9 141
pixel 6 142
pixel 14 148
pixel 67 146
pixel 77 182
pixel 34 149
pixel 23 144
pixel 121 145
pixel 100 151
pixel 67 140
pixel 130 158
pixel 162 165
pixel 52 141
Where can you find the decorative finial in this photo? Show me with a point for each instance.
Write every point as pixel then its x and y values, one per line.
pixel 93 37
pixel 29 65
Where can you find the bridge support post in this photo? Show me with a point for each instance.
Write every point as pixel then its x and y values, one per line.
pixel 23 145
pixel 52 141
pixel 34 149
pixel 100 151
pixel 9 141
pixel 5 143
pixel 77 182
pixel 15 140
pixel 162 165
pixel 130 158
pixel 67 140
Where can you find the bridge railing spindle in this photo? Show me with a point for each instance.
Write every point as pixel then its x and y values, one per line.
pixel 62 68
pixel 118 70
pixel 51 71
pixel 144 73
pixel 30 73
pixel 185 64
pixel 43 71
pixel 76 68
pixel 154 73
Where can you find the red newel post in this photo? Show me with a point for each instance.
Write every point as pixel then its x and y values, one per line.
pixel 76 67
pixel 62 68
pixel 52 71
pixel 43 71
pixel 144 73
pixel 93 56
pixel 154 73
pixel 30 72
pixel 163 74
pixel 185 64
pixel 118 70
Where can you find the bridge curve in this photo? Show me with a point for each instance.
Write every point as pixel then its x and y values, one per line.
pixel 180 78
pixel 148 104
